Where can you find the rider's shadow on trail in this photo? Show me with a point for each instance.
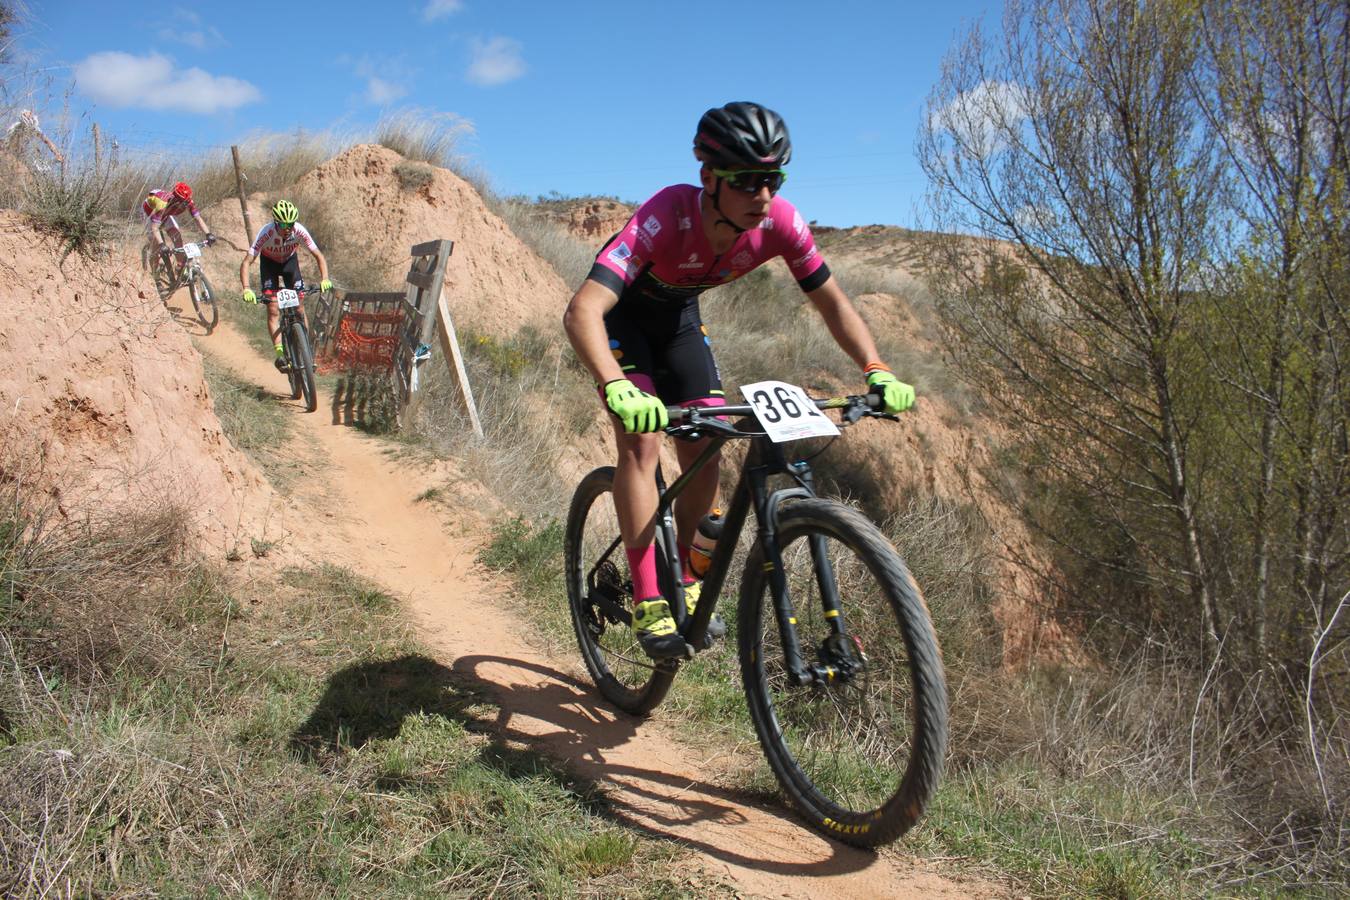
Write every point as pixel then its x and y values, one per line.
pixel 369 701
pixel 665 804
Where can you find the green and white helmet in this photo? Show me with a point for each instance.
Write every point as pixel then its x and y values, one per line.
pixel 285 213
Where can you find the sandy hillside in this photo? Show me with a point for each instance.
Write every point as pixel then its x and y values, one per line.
pixel 593 219
pixel 100 384
pixel 494 283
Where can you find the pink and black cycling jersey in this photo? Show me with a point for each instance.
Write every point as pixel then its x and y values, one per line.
pixel 271 244
pixel 161 204
pixel 663 255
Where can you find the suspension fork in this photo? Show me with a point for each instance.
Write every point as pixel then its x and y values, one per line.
pixel 820 560
pixel 766 459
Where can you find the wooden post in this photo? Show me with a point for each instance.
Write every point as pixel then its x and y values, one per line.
pixel 98 152
pixel 424 283
pixel 243 204
pixel 450 347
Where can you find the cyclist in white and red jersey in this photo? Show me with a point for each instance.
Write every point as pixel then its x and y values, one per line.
pixel 160 208
pixel 635 324
pixel 279 267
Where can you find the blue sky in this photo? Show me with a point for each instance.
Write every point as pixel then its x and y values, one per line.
pixel 574 97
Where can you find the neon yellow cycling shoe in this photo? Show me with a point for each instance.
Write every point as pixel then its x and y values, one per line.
pixel 716 626
pixel 655 629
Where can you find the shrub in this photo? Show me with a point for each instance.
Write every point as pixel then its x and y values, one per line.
pixel 413 176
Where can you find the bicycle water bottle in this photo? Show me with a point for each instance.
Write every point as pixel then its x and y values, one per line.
pixel 705 541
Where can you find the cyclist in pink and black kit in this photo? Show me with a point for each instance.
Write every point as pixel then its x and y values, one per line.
pixel 635 325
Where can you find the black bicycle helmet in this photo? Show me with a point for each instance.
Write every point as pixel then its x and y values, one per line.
pixel 742 135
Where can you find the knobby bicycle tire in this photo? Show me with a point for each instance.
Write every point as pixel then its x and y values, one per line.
pixel 612 654
pixel 204 301
pixel 292 359
pixel 860 758
pixel 304 359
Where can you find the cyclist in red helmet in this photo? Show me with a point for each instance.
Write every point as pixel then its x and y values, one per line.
pixel 635 324
pixel 160 207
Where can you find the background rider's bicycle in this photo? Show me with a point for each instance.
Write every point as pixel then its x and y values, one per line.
pixel 190 273
pixel 838 657
pixel 299 355
pixel 181 267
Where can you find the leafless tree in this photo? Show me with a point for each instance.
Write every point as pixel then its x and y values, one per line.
pixel 1276 92
pixel 1076 142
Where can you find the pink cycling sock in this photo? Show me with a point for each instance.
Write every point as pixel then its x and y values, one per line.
pixel 642 565
pixel 684 563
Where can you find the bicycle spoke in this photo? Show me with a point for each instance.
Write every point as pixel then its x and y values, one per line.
pixel 863 746
pixel 596 562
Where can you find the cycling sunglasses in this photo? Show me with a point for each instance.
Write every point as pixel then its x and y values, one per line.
pixel 749 181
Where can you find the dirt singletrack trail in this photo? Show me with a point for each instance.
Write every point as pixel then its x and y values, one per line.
pixel 653 781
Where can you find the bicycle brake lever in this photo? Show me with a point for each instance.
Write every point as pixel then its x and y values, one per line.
pixel 853 413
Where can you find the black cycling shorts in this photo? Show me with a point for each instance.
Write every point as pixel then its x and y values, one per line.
pixel 277 275
pixel 665 351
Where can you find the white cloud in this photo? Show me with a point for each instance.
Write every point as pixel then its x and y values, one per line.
pixel 153 82
pixel 386 79
pixel 496 61
pixel 380 92
pixel 187 28
pixel 439 9
pixel 198 40
pixel 982 118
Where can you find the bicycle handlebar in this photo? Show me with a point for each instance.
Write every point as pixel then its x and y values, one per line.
pixel 686 419
pixel 202 243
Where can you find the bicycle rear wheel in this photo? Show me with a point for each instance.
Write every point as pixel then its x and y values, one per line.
pixel 304 362
pixel 203 300
pixel 597 570
pixel 861 755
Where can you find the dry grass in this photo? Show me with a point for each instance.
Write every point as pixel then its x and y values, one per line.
pixel 166 731
pixel 532 398
pixel 569 256
pixel 421 136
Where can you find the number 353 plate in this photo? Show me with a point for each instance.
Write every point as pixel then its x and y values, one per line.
pixel 785 411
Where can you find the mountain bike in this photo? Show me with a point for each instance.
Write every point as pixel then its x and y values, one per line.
pixel 199 287
pixel 838 657
pixel 299 355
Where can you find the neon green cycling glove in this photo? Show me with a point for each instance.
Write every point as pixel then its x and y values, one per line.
pixel 325 285
pixel 640 412
pixel 896 396
pixel 250 297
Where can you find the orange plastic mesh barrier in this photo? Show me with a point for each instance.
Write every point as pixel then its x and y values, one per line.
pixel 363 341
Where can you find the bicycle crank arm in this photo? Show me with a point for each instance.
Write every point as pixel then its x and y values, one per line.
pixel 616 611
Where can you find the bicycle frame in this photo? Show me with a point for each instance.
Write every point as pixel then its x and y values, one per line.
pixel 764 459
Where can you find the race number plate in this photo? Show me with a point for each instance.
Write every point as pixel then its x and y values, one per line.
pixel 192 251
pixel 287 298
pixel 786 413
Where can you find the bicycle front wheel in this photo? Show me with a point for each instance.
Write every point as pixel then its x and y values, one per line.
pixel 204 301
pixel 859 753
pixel 598 584
pixel 304 363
